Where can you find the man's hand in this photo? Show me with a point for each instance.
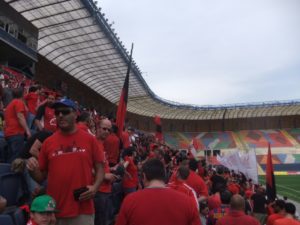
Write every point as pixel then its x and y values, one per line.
pixel 32 164
pixel 111 177
pixel 89 194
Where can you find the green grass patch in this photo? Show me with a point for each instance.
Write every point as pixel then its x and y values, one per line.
pixel 288 185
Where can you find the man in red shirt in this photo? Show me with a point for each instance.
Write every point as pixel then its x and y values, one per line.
pixel 237 213
pixel 179 184
pixel 67 159
pixel 279 211
pixel 289 219
pixel 32 100
pixel 15 125
pixel 45 118
pixel 157 204
pixel 102 200
pixel 112 147
pixel 196 182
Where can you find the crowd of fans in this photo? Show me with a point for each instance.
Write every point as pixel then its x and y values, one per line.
pixel 77 170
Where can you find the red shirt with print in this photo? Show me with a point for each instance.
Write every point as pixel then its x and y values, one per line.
pixel 69 160
pixel 12 125
pixel 49 119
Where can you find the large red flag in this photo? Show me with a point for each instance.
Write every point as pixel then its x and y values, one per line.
pixel 158 129
pixel 270 179
pixel 122 107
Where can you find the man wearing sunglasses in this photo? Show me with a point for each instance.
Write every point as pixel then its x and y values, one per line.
pixel 67 159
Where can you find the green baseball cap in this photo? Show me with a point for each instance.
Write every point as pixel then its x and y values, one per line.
pixel 43 203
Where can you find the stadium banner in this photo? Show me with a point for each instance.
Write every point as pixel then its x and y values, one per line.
pixel 244 162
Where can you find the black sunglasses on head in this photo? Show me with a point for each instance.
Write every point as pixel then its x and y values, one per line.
pixel 64 112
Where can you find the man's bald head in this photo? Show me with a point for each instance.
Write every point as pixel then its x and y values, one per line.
pixel 104 129
pixel 237 202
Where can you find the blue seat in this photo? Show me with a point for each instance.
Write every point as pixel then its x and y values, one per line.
pixel 6 220
pixel 19 217
pixel 10 187
pixel 5 168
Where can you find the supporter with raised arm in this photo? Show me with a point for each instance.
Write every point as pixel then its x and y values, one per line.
pixel 67 159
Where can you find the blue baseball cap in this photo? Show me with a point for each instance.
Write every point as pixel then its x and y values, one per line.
pixel 66 103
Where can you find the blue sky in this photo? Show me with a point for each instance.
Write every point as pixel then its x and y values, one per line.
pixel 213 52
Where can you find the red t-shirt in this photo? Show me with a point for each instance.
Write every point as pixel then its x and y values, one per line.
pixel 197 183
pixel 31 222
pixel 271 219
pixel 233 188
pixel 12 125
pixel 69 160
pixel 32 101
pixel 112 148
pixel 237 217
pixel 49 119
pixel 130 180
pixel 185 189
pixel 158 206
pixel 286 221
pixel 105 185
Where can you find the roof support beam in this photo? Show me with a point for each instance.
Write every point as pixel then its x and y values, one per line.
pixel 79 49
pixel 92 62
pixel 67 38
pixel 67 30
pixel 65 22
pixel 97 67
pixel 42 6
pixel 88 58
pixel 57 14
pixel 72 44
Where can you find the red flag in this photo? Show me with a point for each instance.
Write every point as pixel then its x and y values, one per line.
pixel 122 107
pixel 270 179
pixel 158 130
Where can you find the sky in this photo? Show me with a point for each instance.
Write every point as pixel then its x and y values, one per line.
pixel 213 52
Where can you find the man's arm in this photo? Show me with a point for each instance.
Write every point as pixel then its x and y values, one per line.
pixel 23 123
pixel 39 115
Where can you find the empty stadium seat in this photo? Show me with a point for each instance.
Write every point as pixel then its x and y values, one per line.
pixel 5 168
pixel 6 220
pixel 10 186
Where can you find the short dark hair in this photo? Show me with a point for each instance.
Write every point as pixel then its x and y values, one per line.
pixel 33 89
pixel 154 170
pixel 183 172
pixel 290 208
pixel 84 117
pixel 193 164
pixel 17 93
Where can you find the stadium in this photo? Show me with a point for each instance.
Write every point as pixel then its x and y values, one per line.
pixel 69 46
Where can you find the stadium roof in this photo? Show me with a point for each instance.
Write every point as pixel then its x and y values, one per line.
pixel 76 36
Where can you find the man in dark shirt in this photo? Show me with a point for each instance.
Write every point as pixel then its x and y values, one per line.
pixel 259 205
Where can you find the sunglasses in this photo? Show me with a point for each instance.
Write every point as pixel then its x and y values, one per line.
pixel 105 129
pixel 64 112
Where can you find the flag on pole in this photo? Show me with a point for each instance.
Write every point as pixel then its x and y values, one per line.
pixel 122 106
pixel 270 179
pixel 158 129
